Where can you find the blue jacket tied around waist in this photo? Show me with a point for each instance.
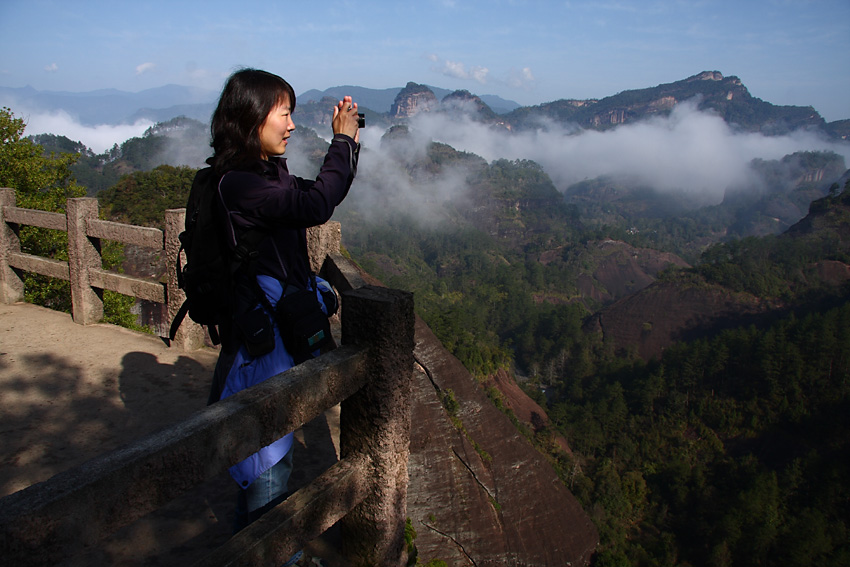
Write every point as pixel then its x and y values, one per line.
pixel 248 371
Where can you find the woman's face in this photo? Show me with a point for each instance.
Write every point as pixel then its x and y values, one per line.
pixel 275 130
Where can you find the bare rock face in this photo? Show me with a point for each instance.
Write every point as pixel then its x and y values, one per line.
pixel 707 76
pixel 664 313
pixel 622 270
pixel 412 100
pixel 479 493
pixel 524 408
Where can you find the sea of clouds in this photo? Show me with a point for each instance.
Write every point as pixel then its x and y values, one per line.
pixel 689 151
pixel 98 138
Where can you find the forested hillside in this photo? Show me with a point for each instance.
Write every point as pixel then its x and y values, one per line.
pixel 178 142
pixel 726 449
pixel 731 450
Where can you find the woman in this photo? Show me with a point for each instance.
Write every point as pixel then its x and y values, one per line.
pixel 250 131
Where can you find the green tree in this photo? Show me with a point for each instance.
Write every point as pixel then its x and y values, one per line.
pixel 41 182
pixel 45 182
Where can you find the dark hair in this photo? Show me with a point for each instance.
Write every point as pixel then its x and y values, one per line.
pixel 246 100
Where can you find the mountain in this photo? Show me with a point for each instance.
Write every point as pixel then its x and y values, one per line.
pixel 179 141
pixel 381 100
pixel 110 106
pixel 726 96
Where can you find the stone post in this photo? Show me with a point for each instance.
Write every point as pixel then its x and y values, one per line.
pixel 83 256
pixel 11 284
pixel 376 421
pixel 323 240
pixel 190 335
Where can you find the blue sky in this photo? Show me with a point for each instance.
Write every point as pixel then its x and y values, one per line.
pixel 785 51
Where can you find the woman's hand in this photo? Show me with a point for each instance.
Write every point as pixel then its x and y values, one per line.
pixel 345 119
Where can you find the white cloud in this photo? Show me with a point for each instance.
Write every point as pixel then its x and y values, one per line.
pixel 516 78
pixel 522 78
pixel 458 70
pixel 98 138
pixel 144 67
pixel 52 68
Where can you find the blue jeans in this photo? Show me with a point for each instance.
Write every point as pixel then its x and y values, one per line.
pixel 269 490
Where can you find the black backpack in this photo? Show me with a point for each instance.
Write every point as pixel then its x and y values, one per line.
pixel 207 278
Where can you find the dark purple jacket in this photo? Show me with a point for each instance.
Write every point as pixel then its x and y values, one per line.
pixel 270 198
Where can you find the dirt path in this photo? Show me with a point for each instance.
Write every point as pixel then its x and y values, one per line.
pixel 69 393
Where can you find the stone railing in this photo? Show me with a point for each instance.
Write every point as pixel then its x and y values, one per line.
pixel 84 268
pixel 369 375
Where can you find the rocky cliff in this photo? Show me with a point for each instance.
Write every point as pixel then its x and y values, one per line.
pixel 412 100
pixel 479 493
pixel 666 312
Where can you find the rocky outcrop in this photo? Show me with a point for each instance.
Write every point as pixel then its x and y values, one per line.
pixel 707 76
pixel 479 493
pixel 412 100
pixel 622 269
pixel 667 312
pixel 621 115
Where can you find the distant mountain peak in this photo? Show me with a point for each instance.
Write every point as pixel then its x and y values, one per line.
pixel 706 76
pixel 412 100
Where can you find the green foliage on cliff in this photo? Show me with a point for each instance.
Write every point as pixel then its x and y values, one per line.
pixel 519 179
pixel 780 266
pixel 476 288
